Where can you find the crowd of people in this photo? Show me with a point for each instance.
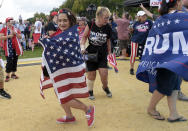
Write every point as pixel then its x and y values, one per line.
pixel 67 35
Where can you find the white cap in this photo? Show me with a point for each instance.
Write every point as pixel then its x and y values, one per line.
pixel 141 13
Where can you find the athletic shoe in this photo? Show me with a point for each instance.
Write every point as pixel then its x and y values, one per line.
pixel 132 71
pixel 91 96
pixel 108 93
pixel 7 79
pixel 90 115
pixel 66 120
pixel 4 94
pixel 13 76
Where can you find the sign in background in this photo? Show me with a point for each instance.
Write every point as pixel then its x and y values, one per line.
pixel 155 2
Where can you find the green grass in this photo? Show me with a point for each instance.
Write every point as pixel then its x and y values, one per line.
pixel 29 54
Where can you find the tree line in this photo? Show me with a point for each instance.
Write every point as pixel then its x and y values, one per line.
pixel 79 7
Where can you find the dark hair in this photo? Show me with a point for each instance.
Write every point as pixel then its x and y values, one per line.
pixel 51 18
pixel 70 16
pixel 164 7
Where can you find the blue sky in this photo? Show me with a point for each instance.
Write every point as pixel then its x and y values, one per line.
pixel 26 8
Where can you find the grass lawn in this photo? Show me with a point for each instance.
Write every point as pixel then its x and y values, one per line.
pixel 29 54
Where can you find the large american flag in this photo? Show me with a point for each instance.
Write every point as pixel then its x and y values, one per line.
pixel 64 62
pixel 166 47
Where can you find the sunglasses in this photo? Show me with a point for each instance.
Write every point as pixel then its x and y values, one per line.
pixel 65 11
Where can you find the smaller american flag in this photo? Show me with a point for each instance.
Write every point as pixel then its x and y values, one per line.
pixel 64 62
pixel 112 60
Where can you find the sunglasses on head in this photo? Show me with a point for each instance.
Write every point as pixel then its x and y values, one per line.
pixel 65 11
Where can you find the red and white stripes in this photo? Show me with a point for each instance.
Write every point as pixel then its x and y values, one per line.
pixel 134 47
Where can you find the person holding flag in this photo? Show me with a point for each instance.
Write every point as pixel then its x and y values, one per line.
pixel 66 68
pixel 181 95
pixel 139 32
pixel 12 47
pixel 98 33
pixel 165 58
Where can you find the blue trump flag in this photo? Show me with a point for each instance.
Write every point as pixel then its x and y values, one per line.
pixel 166 47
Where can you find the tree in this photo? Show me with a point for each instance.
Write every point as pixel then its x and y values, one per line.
pixel 67 4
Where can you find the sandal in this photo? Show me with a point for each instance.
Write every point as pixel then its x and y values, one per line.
pixel 180 119
pixel 156 116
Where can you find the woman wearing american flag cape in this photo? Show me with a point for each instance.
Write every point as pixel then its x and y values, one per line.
pixel 165 58
pixel 66 68
pixel 12 48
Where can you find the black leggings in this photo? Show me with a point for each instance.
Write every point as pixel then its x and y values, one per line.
pixel 11 65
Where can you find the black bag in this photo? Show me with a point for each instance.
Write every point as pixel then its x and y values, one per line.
pixel 91 57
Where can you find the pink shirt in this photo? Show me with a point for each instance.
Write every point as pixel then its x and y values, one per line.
pixel 122 28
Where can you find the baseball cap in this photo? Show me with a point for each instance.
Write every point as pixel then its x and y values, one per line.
pixel 141 13
pixel 8 19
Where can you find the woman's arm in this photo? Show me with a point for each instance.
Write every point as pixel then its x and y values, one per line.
pixel 109 46
pixel 2 37
pixel 84 38
pixel 148 13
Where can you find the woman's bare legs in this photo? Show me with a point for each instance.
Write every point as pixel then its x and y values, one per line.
pixel 74 104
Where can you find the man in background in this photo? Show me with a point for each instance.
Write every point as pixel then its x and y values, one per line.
pixel 123 32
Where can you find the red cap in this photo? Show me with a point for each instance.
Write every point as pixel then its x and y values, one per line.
pixel 61 11
pixel 8 19
pixel 54 13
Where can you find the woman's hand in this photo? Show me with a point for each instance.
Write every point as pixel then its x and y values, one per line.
pixel 10 36
pixel 83 51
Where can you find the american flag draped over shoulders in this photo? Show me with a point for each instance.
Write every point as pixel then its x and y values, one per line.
pixel 63 60
pixel 166 47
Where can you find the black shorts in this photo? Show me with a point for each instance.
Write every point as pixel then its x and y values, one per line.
pixel 123 44
pixel 102 58
pixel 93 66
pixel 167 81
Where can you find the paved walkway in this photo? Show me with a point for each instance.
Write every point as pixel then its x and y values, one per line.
pixel 30 59
pixel 125 111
